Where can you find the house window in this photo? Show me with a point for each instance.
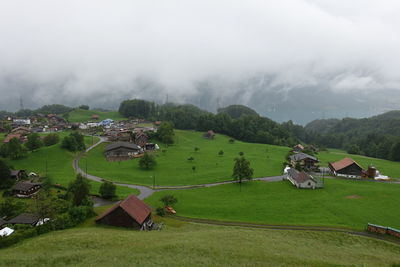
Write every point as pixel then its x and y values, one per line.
pixel 309 183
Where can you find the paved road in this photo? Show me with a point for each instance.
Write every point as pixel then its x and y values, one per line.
pixel 146 191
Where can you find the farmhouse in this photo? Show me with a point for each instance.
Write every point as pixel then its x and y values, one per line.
pixel 122 150
pixel 346 168
pixel 131 212
pixel 306 161
pixel 25 189
pixel 301 179
pixel 21 130
pixel 141 139
pixel 210 134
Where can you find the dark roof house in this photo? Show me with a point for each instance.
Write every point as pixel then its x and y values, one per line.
pixel 131 212
pixel 25 189
pixel 122 150
pixel 25 218
pixel 305 160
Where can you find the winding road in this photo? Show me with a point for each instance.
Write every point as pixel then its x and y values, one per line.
pixel 146 191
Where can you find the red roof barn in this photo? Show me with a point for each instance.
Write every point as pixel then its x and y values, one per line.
pixel 346 167
pixel 131 212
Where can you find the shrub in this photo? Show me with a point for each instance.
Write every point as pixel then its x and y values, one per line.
pixel 51 139
pixel 107 190
pixel 160 211
pixel 168 200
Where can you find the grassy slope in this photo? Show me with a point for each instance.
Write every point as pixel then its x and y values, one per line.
pixel 281 203
pixel 59 165
pixel 386 167
pixel 198 245
pixel 173 168
pixel 80 115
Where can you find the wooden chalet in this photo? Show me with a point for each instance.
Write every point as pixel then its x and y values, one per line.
pixel 306 161
pixel 141 138
pixel 25 189
pixel 21 130
pixel 122 150
pixel 131 213
pixel 209 134
pixel 301 179
pixel 346 168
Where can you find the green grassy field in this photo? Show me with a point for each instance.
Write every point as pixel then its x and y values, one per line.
pixel 59 165
pixel 174 168
pixel 81 115
pixel 342 203
pixel 198 245
pixel 386 167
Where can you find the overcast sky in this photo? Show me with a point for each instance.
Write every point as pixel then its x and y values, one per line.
pixel 70 51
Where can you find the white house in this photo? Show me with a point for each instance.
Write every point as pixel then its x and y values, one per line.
pixel 22 121
pixel 301 179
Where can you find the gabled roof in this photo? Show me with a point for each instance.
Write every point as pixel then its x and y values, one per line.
pixel 341 164
pixel 25 218
pixel 133 206
pixel 122 144
pixel 301 156
pixel 299 177
pixel 24 186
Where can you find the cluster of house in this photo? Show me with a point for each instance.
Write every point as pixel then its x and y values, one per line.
pixel 23 218
pixel 348 168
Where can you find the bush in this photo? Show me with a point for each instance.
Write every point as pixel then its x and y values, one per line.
pixel 148 161
pixel 107 190
pixel 169 200
pixel 160 211
pixel 51 139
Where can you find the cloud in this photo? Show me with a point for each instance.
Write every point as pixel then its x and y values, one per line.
pixel 104 51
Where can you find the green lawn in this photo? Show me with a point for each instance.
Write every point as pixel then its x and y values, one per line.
pixel 174 168
pixel 341 203
pixel 386 167
pixel 198 245
pixel 59 165
pixel 81 115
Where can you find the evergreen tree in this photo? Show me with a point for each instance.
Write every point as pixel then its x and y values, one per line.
pixel 107 190
pixel 79 190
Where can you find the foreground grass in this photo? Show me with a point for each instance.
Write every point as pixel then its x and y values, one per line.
pixel 198 245
pixel 81 115
pixel 59 165
pixel 174 168
pixel 341 203
pixel 386 167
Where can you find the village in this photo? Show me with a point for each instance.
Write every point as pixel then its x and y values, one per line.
pixel 130 140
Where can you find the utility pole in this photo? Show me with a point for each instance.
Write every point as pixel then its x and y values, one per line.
pixel 154 180
pixel 86 167
pixel 46 167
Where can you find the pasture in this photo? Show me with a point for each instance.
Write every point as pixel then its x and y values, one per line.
pixel 342 203
pixel 175 168
pixel 198 245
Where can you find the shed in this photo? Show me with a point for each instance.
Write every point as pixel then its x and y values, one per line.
pixel 131 212
pixel 209 134
pixel 6 231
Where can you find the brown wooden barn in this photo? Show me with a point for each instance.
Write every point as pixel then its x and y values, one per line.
pixel 346 168
pixel 131 213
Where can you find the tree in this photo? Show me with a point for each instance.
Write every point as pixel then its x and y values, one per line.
pixel 221 153
pixel 148 161
pixel 241 153
pixel 169 200
pixel 85 107
pixel 196 149
pixel 166 133
pixel 107 190
pixel 242 170
pixel 190 159
pixel 13 149
pixel 193 168
pixel 34 142
pixel 74 142
pixel 51 139
pixel 10 208
pixel 79 190
pixel 395 152
pixel 5 176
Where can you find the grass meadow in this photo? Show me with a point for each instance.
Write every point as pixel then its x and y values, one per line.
pixel 174 168
pixel 342 203
pixel 198 245
pixel 59 165
pixel 81 115
pixel 386 167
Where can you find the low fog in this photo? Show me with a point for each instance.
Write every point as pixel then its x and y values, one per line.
pixel 293 59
